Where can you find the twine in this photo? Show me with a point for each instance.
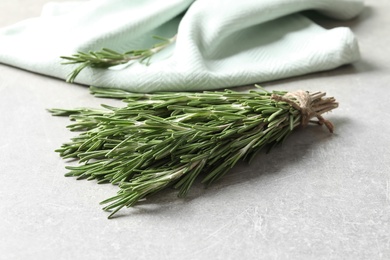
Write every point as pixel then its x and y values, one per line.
pixel 304 102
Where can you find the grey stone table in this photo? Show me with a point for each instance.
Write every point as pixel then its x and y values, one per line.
pixel 318 196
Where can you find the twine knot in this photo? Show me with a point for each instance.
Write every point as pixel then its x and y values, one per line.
pixel 309 105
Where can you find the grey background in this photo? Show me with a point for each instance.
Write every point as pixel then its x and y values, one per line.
pixel 319 196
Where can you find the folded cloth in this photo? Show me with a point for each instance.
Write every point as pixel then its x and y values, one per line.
pixel 220 43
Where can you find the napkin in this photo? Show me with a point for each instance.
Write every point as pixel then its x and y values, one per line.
pixel 220 43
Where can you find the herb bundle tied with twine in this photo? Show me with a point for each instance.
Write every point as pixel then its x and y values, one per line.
pixel 166 140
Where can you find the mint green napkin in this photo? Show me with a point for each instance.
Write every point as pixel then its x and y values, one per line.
pixel 221 43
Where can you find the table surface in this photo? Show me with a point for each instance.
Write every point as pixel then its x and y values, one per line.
pixel 318 196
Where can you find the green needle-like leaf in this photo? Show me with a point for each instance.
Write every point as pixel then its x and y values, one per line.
pixel 106 58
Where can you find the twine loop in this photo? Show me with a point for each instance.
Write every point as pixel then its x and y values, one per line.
pixel 305 103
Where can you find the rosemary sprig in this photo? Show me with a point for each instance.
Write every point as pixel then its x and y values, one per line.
pixel 169 139
pixel 107 58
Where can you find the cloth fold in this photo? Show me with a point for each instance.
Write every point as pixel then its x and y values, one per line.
pixel 220 43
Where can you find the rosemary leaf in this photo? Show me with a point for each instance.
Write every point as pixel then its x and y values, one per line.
pixel 106 58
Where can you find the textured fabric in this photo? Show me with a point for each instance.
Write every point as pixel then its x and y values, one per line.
pixel 221 43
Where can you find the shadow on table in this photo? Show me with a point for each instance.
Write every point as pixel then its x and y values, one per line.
pixel 330 23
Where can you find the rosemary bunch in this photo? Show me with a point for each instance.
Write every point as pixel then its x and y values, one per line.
pixel 107 58
pixel 170 139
